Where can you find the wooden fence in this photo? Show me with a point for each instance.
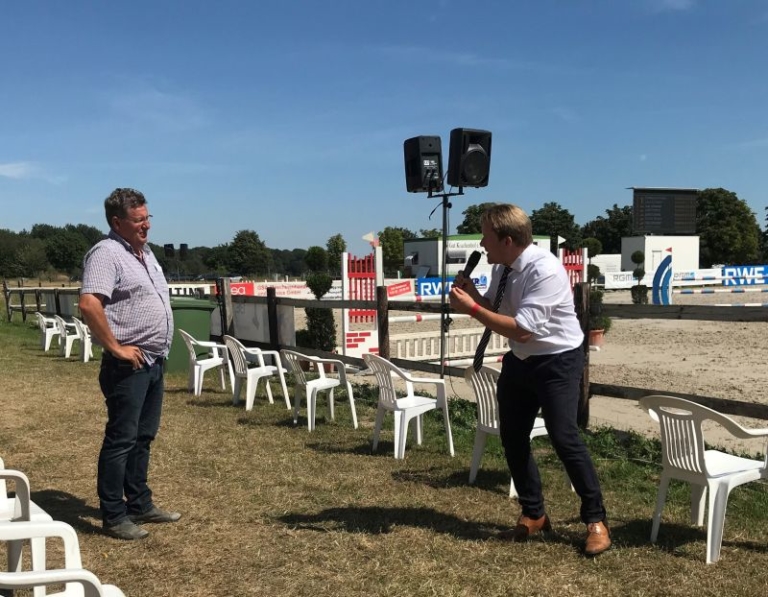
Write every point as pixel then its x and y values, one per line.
pixel 28 300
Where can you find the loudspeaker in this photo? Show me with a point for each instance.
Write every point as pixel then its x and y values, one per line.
pixel 469 160
pixel 423 164
pixel 183 251
pixel 169 250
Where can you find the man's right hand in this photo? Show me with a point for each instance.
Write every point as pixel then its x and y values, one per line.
pixel 132 354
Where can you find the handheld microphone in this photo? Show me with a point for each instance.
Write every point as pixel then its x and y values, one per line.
pixel 474 258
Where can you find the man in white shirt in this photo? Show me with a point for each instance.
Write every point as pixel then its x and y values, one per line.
pixel 542 370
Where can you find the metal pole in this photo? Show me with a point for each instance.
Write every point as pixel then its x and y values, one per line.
pixel 445 320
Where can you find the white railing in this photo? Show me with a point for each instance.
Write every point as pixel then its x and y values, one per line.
pixel 459 344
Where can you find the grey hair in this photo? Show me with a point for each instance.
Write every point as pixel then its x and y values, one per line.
pixel 120 201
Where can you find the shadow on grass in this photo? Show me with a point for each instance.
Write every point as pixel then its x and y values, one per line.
pixel 376 520
pixel 68 508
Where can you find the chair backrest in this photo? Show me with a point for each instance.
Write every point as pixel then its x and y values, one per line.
pixel 483 384
pixel 383 371
pixel 42 322
pixel 294 360
pixel 682 437
pixel 190 342
pixel 236 355
pixel 61 325
pixel 82 330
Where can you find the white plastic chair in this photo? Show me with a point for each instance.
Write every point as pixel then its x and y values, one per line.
pixel 483 384
pixel 67 336
pixel 84 334
pixel 79 582
pixel 310 387
pixel 708 471
pixel 48 330
pixel 203 356
pixel 407 407
pixel 17 510
pixel 241 358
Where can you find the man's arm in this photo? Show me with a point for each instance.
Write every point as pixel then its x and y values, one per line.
pixel 501 324
pixel 92 309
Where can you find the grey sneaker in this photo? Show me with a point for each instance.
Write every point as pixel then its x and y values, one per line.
pixel 155 514
pixel 125 529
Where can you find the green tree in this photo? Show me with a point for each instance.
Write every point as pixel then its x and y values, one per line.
pixel 91 234
pixel 594 247
pixel 248 255
pixel 552 220
pixel 391 240
pixel 43 231
pixel 31 258
pixel 65 250
pixel 728 229
pixel 316 259
pixel 296 263
pixel 216 259
pixel 336 245
pixel 430 233
pixel 10 242
pixel 610 229
pixel 472 216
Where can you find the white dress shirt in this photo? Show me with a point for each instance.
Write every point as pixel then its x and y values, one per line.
pixel 539 297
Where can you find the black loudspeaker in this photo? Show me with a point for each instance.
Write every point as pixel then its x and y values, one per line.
pixel 183 251
pixel 169 250
pixel 423 164
pixel 469 160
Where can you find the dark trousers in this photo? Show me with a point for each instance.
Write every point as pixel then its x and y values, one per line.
pixel 134 401
pixel 550 383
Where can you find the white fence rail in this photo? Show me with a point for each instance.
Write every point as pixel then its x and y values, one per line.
pixel 460 344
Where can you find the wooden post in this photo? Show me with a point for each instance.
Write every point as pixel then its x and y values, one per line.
pixel 274 341
pixel 7 295
pixel 581 301
pixel 228 318
pixel 382 318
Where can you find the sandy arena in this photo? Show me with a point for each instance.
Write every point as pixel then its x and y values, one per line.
pixel 708 358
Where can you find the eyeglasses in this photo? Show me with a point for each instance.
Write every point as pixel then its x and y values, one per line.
pixel 137 220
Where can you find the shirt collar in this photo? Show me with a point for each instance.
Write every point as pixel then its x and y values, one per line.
pixel 523 259
pixel 115 236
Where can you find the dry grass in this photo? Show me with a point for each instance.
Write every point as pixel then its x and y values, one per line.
pixel 270 509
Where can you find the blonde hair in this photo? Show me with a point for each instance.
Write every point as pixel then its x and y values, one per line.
pixel 509 220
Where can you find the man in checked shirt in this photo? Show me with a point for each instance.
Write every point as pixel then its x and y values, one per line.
pixel 125 302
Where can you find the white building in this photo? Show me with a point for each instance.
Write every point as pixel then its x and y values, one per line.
pixel 685 251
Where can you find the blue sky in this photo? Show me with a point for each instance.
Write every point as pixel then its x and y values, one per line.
pixel 287 117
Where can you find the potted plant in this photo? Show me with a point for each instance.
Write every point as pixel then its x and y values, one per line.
pixel 639 291
pixel 599 324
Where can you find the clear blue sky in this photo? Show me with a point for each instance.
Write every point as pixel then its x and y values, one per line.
pixel 287 117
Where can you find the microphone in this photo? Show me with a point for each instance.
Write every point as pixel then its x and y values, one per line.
pixel 471 263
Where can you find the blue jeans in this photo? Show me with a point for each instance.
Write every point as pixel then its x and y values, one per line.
pixel 134 401
pixel 550 383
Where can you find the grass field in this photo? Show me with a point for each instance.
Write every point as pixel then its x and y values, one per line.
pixel 270 509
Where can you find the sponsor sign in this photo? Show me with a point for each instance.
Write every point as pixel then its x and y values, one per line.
pixel 434 286
pixel 400 288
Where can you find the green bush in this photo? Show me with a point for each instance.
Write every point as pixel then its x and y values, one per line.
pixel 321 326
pixel 597 321
pixel 639 294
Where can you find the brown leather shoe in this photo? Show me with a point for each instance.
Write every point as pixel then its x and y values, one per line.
pixel 598 538
pixel 526 527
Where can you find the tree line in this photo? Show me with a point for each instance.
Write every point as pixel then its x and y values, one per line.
pixel 729 231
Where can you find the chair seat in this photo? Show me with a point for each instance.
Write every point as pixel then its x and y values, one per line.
pixel 720 463
pixel 414 402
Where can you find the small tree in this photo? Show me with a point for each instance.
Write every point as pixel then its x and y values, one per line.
pixel 594 247
pixel 597 321
pixel 321 326
pixel 639 291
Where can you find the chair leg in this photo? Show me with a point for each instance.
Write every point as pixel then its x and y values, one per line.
pixel 448 432
pixel 698 504
pixel 352 405
pixel 718 501
pixel 222 378
pixel 330 405
pixel 284 387
pixel 37 548
pixel 419 429
pixel 377 427
pixel 660 499
pixel 311 409
pixel 236 390
pixel 401 433
pixel 250 392
pixel 477 454
pixel 297 403
pixel 269 390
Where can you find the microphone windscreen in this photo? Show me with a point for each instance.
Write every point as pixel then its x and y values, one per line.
pixel 474 258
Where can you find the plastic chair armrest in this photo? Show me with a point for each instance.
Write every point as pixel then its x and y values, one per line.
pixel 22 489
pixel 24 531
pixel 28 580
